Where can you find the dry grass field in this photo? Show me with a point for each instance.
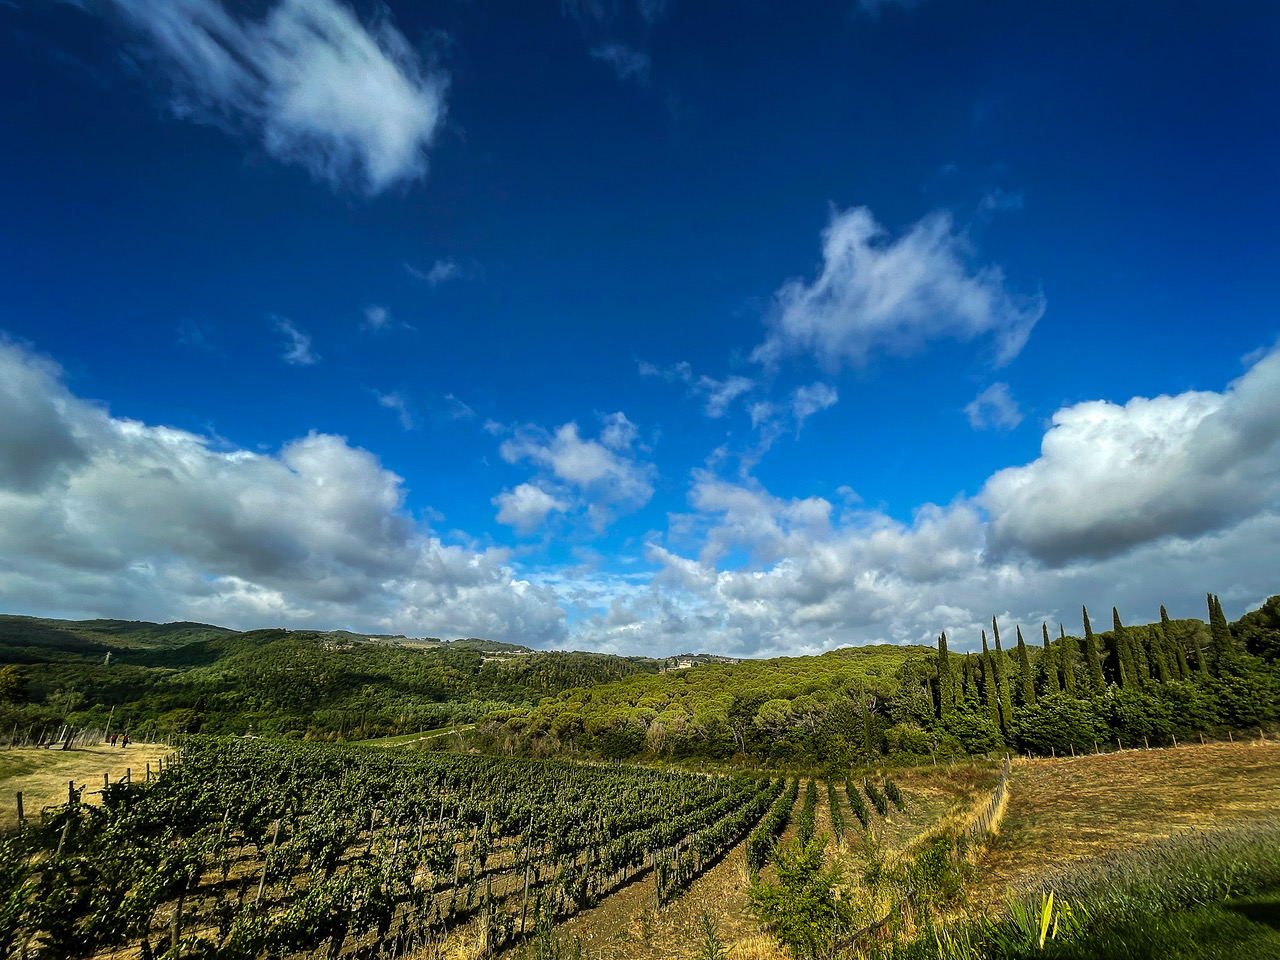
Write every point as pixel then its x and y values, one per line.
pixel 1065 810
pixel 42 775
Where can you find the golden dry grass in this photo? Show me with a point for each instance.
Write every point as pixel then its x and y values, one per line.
pixel 1072 809
pixel 42 775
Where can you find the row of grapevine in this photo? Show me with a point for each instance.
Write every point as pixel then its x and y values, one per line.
pixel 837 814
pixel 857 804
pixel 247 848
pixel 770 828
pixel 806 823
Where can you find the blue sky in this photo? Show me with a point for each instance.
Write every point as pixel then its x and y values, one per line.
pixel 638 326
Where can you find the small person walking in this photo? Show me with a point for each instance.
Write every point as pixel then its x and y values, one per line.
pixel 124 741
pixel 113 738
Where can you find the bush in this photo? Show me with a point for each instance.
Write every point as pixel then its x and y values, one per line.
pixel 806 909
pixel 1057 723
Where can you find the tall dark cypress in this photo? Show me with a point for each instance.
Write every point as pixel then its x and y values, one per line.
pixel 1223 644
pixel 1124 651
pixel 1158 653
pixel 946 682
pixel 1093 658
pixel 1067 654
pixel 990 686
pixel 1175 645
pixel 1050 662
pixel 1024 671
pixel 1002 675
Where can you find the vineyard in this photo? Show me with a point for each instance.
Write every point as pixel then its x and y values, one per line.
pixel 253 848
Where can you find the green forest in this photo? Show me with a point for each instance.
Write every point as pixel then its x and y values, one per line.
pixel 193 678
pixel 1056 693
pixel 1141 684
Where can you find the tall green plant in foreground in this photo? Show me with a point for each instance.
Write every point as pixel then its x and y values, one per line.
pixel 807 908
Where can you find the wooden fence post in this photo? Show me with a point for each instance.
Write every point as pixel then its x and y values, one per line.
pixel 71 792
pixel 21 819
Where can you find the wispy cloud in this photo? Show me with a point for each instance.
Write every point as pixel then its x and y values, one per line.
pixel 999 201
pixel 376 318
pixel 993 408
pixel 455 409
pixel 398 403
pixel 192 334
pixel 626 63
pixel 353 104
pixel 716 395
pixel 878 295
pixel 298 350
pixel 811 399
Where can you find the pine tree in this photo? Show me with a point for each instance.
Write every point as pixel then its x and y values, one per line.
pixel 1179 653
pixel 1067 654
pixel 1050 663
pixel 1124 651
pixel 1093 658
pixel 1002 676
pixel 990 687
pixel 1024 672
pixel 946 682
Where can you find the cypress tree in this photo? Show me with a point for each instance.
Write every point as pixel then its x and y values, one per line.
pixel 971 701
pixel 1002 676
pixel 1067 654
pixel 1093 658
pixel 990 687
pixel 1124 650
pixel 1158 651
pixel 1223 644
pixel 946 682
pixel 1180 654
pixel 1050 662
pixel 1024 671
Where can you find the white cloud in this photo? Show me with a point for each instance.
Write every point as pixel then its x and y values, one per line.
pixel 993 408
pixel 717 395
pixel 603 474
pixel 102 516
pixel 442 271
pixel 1110 477
pixel 398 403
pixel 875 295
pixel 350 103
pixel 376 318
pixel 811 399
pixel 457 410
pixel 297 351
pixel 526 507
pixel 626 62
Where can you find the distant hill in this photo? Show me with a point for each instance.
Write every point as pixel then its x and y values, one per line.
pixel 328 685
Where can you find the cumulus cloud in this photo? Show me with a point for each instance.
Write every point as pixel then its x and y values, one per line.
pixel 1111 476
pixel 603 474
pixel 993 408
pixel 877 295
pixel 526 507
pixel 351 103
pixel 105 516
pixel 297 351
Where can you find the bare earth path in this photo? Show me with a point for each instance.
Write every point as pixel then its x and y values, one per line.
pixel 41 775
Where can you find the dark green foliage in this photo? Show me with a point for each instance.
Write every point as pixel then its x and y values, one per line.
pixel 894 794
pixel 857 804
pixel 1224 645
pixel 712 947
pixel 807 908
pixel 946 681
pixel 806 822
pixel 1067 656
pixel 763 837
pixel 1049 663
pixel 975 732
pixel 878 799
pixel 1175 644
pixel 1026 681
pixel 1093 658
pixel 1002 679
pixel 991 687
pixel 1124 652
pixel 1057 724
pixel 1260 630
pixel 837 814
